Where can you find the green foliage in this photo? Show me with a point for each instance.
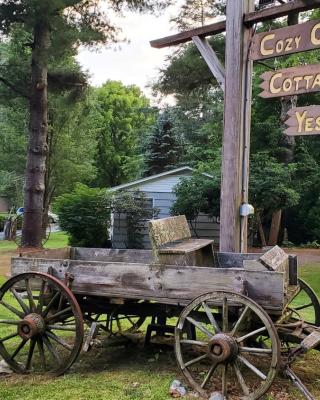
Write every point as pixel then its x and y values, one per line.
pixel 271 183
pixel 84 214
pixel 122 117
pixel 195 195
pixel 162 149
pixel 134 205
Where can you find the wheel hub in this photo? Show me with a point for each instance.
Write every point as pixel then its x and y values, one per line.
pixel 222 348
pixel 32 325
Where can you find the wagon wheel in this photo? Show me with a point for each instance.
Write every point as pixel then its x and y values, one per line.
pixel 304 305
pixel 41 324
pixel 222 359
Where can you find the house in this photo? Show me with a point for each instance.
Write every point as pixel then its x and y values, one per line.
pixel 159 190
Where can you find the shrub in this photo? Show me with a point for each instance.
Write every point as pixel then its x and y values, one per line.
pixel 2 221
pixel 85 215
pixel 134 205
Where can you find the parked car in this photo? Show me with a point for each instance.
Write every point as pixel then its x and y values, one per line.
pixel 53 218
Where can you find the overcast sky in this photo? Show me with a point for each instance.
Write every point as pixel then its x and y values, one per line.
pixel 136 62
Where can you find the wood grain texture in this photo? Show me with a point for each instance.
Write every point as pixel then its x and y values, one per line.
pixel 112 255
pixel 291 81
pixel 161 283
pixel 236 126
pixel 211 59
pixel 303 121
pixel 167 230
pixel 283 41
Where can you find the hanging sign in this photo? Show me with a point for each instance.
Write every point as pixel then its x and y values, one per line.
pixel 291 81
pixel 288 40
pixel 303 121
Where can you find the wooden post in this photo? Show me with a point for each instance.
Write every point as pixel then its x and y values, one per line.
pixel 236 141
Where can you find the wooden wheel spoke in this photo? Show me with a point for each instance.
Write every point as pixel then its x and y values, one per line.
pixel 225 315
pixel 241 380
pixel 302 307
pixel 252 367
pixel 253 333
pixel 12 309
pixel 195 360
pixel 240 320
pixel 9 321
pixel 20 301
pixel 200 327
pixel 211 317
pixel 41 353
pixel 224 380
pixel 254 350
pixel 59 314
pixel 60 301
pixel 209 375
pixel 18 349
pixel 70 328
pixel 8 337
pixel 194 342
pixel 32 304
pixel 59 340
pixel 41 297
pixel 52 350
pixel 51 303
pixel 30 354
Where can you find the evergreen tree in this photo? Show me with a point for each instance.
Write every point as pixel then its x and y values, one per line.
pixel 162 148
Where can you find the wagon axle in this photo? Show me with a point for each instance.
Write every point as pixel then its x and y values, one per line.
pixel 31 326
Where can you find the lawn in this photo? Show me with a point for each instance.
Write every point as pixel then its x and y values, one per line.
pixel 135 373
pixel 56 240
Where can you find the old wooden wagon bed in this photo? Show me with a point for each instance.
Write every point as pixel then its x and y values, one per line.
pixel 236 321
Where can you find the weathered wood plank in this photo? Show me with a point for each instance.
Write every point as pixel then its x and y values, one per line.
pixel 164 284
pixel 275 259
pixel 288 40
pixel 167 230
pixel 184 246
pixel 291 81
pixel 303 121
pixel 234 260
pixel 112 255
pixel 48 253
pixel 211 59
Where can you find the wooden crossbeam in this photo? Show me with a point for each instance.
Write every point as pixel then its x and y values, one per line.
pixel 250 19
pixel 211 59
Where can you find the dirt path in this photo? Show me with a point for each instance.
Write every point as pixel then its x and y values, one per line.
pixel 5 259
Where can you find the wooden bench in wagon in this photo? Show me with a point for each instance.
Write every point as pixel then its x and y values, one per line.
pixel 241 308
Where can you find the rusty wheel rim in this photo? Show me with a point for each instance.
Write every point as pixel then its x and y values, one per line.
pixel 222 357
pixel 42 324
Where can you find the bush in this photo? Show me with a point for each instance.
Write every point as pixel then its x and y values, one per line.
pixel 85 215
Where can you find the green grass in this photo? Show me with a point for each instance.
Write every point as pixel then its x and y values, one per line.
pixel 56 240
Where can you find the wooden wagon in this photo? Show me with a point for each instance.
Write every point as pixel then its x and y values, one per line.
pixel 236 320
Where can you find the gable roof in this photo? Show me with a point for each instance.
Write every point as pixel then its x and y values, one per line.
pixel 155 177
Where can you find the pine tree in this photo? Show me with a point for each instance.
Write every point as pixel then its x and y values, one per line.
pixel 53 26
pixel 162 147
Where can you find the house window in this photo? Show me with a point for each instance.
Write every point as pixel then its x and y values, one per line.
pixel 149 204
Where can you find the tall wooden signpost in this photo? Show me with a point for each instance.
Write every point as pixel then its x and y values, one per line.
pixel 242 48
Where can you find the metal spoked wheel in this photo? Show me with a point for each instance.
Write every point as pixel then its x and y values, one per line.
pixel 222 358
pixel 304 306
pixel 41 324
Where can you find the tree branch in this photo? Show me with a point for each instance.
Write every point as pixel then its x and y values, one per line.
pixel 13 88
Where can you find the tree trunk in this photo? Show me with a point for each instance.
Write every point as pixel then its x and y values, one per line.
pixel 275 228
pixel 37 146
